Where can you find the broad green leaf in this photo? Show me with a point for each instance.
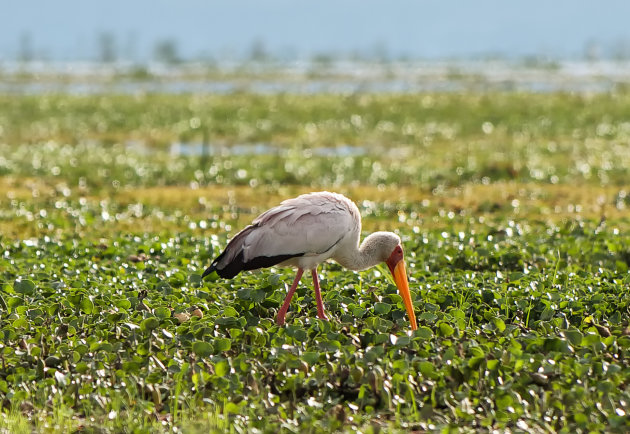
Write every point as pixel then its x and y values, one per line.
pixel 427 369
pixel 499 324
pixel 26 287
pixel 310 357
pixel 423 332
pixel 20 323
pixel 149 324
pixel 87 306
pixel 221 368
pixel 446 329
pixel 202 348
pixel 258 295
pixel 162 312
pixel 223 344
pixel 382 308
pixel 574 336
pixel 123 303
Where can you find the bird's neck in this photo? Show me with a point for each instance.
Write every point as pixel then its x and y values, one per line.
pixel 361 257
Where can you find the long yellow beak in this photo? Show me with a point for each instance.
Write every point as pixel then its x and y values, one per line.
pixel 396 265
pixel 400 277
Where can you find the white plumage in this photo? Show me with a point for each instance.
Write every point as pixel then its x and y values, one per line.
pixel 304 232
pixel 313 225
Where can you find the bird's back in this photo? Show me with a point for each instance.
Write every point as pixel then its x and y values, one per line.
pixel 310 225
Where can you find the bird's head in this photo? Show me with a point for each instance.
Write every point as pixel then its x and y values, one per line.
pixel 393 256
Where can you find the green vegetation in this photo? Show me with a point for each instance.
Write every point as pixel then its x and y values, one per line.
pixel 513 213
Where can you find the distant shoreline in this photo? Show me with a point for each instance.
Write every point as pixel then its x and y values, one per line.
pixel 311 77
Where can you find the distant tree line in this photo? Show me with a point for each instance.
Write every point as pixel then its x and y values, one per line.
pixel 109 49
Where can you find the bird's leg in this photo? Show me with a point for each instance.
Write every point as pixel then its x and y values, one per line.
pixel 287 301
pixel 318 296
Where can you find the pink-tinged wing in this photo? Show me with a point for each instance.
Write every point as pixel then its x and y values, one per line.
pixel 310 224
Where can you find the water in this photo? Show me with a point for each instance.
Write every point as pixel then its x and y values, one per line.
pixel 344 77
pixel 197 149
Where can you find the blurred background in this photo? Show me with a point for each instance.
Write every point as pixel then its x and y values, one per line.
pixel 105 99
pixel 394 46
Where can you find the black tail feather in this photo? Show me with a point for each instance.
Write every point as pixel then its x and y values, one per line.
pixel 236 263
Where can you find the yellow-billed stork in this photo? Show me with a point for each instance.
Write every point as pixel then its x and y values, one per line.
pixel 304 232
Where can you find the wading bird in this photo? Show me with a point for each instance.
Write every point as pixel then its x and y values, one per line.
pixel 304 232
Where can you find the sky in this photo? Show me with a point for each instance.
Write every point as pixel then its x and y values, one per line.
pixel 429 29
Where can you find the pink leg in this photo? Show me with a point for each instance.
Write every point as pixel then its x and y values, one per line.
pixel 318 296
pixel 287 301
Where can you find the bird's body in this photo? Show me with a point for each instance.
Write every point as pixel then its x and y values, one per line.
pixel 304 232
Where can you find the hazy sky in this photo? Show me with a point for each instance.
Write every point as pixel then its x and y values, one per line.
pixel 70 29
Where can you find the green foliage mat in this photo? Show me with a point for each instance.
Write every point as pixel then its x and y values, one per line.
pixel 517 257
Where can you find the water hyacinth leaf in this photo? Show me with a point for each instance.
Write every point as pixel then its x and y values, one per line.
pixel 574 336
pixel 403 341
pixel 87 306
pixel 149 324
pixel 547 314
pixel 227 322
pixel 310 357
pixel 221 368
pixel 258 295
pixel 223 344
pixel 81 367
pixel 475 362
pixel 622 341
pixel 75 299
pixel 558 344
pixel 428 370
pixel 487 296
pixel 431 307
pixel 232 408
pixel 492 364
pixel 300 335
pixel 428 317
pixel 143 349
pixel 202 348
pixel 458 314
pixel 382 308
pixel 504 401
pixel 274 280
pixel 499 324
pixel 230 312
pixel 359 312
pixel 15 302
pixel 162 312
pixel 244 293
pixel 195 279
pixel 52 361
pixel 131 367
pixel 446 329
pixel 154 377
pixel 423 332
pixel 123 304
pixel 20 323
pixel 25 287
